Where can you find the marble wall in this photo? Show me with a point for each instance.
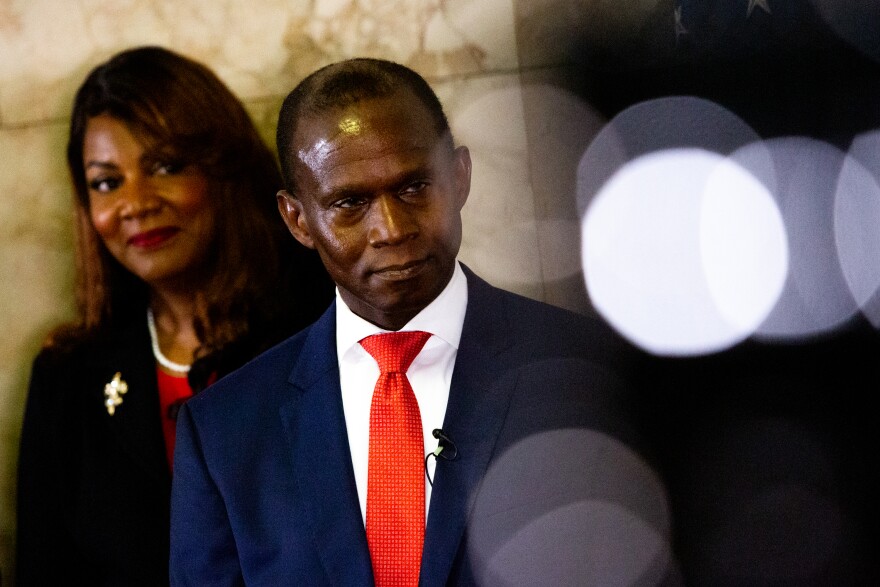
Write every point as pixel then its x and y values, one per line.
pixel 500 67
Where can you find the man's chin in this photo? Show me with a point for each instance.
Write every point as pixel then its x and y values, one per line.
pixel 394 314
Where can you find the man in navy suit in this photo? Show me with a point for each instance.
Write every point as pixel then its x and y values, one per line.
pixel 539 480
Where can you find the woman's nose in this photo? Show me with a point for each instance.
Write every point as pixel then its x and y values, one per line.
pixel 140 197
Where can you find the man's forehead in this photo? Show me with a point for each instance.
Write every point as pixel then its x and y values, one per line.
pixel 353 118
pixel 377 124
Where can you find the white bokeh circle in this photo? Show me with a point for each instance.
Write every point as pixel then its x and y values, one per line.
pixel 684 252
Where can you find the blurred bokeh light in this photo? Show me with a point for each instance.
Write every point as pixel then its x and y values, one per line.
pixel 857 223
pixel 816 299
pixel 696 234
pixel 684 250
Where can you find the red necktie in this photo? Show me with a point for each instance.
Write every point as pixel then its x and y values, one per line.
pixel 395 470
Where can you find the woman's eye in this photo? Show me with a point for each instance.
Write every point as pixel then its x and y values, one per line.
pixel 166 168
pixel 104 184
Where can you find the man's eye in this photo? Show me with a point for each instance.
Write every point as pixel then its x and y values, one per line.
pixel 346 203
pixel 415 187
pixel 104 184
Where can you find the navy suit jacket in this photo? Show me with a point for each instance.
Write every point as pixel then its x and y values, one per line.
pixel 264 490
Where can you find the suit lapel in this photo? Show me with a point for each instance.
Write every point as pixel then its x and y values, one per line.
pixel 315 425
pixel 474 417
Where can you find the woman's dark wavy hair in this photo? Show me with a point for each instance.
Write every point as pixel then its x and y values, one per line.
pixel 180 111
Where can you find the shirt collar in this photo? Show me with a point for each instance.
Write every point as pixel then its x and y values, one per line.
pixel 443 317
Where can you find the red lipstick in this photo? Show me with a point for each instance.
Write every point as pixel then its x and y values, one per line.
pixel 153 238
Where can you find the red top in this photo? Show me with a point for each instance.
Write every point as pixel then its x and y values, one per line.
pixel 173 390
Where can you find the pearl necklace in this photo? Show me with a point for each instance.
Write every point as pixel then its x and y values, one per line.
pixel 154 340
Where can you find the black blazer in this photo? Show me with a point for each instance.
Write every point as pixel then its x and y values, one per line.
pixel 94 489
pixel 548 487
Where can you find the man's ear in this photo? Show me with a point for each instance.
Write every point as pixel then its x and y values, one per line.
pixel 462 164
pixel 292 212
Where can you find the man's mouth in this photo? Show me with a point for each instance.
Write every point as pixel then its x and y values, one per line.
pixel 401 271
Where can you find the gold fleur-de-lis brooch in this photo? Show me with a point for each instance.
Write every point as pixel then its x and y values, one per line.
pixel 113 393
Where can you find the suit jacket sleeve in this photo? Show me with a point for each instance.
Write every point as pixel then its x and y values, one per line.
pixel 46 551
pixel 203 548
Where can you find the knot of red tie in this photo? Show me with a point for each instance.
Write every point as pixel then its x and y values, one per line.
pixel 395 351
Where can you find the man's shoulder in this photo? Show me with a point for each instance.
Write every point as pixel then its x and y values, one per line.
pixel 529 313
pixel 257 381
pixel 532 307
pixel 549 321
pixel 540 329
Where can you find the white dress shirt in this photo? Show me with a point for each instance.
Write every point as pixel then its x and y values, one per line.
pixel 430 373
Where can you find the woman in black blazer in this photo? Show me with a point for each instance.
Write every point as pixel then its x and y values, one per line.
pixel 184 272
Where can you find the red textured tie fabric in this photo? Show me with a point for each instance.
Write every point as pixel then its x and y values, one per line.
pixel 395 470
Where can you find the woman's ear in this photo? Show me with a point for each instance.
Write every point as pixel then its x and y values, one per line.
pixel 292 213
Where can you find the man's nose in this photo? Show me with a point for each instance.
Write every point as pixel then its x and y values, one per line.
pixel 392 221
